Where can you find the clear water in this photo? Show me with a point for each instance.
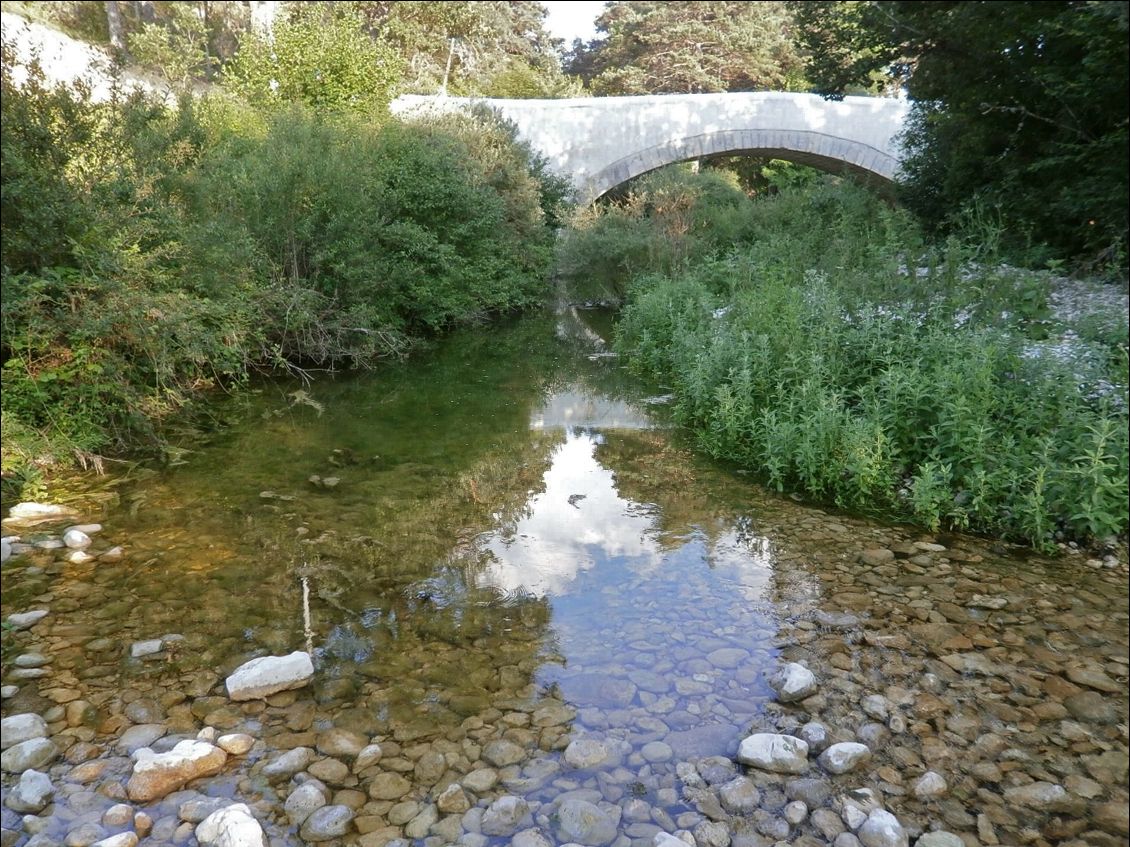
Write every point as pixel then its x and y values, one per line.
pixel 501 539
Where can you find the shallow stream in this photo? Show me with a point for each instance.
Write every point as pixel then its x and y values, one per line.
pixel 498 550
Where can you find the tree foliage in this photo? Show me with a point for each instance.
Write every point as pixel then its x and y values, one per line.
pixel 317 54
pixel 484 41
pixel 1018 107
pixel 688 47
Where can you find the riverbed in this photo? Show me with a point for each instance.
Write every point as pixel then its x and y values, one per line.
pixel 537 617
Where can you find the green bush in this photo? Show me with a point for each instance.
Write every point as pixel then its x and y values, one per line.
pixel 941 392
pixel 150 254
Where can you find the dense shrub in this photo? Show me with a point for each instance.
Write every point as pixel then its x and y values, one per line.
pixel 834 358
pixel 149 254
pixel 668 218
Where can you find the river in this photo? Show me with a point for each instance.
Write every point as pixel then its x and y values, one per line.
pixel 537 617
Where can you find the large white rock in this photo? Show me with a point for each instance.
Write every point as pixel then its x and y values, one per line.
pixel 845 756
pixel 76 539
pixel 31 793
pixel 26 620
pixel 158 774
pixel 37 511
pixel 231 826
pixel 882 829
pixel 15 729
pixel 777 753
pixel 270 674
pixel 793 682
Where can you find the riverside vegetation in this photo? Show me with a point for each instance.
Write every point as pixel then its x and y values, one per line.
pixel 812 337
pixel 150 253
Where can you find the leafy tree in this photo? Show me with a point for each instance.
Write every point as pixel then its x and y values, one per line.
pixel 494 44
pixel 318 54
pixel 1019 107
pixel 685 47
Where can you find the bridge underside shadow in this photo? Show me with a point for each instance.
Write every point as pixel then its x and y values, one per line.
pixel 828 153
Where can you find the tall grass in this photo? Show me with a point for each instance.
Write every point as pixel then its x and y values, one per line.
pixel 835 355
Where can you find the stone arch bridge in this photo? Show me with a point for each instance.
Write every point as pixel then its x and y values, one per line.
pixel 600 142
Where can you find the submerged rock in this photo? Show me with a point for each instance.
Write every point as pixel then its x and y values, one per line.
pixel 31 793
pixel 269 675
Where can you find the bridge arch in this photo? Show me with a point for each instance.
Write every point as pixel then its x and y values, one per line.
pixel 819 150
pixel 598 143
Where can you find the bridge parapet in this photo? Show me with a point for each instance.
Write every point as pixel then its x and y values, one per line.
pixel 600 142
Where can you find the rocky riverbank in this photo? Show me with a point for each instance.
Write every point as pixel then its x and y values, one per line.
pixel 908 691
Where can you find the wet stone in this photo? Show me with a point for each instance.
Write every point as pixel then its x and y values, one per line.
pixel 327 823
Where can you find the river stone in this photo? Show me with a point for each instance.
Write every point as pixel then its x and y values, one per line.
pixel 793 682
pixel 1113 817
pixel 453 800
pixel 1093 678
pixel 120 814
pixel 727 658
pixel 140 736
pixel 327 823
pixel 232 826
pixel 712 834
pixel 481 780
pixel 262 677
pixel 501 753
pixel 289 763
pixel 1040 795
pixel 1092 706
pixel 329 770
pixel 76 539
pixel 30 510
pixel 83 835
pixel 34 753
pixel 429 768
pixel 505 816
pixel 882 829
pixel 601 690
pixel 420 825
pixel 813 792
pixel 388 786
pixel 739 796
pixel 776 753
pixel 26 620
pixel 303 802
pixel 341 743
pixel 586 753
pixel 845 756
pixel 795 812
pixel 16 729
pixel 585 823
pixel 236 743
pixel 939 839
pixel 157 774
pixel 198 808
pixel 367 756
pixel 530 838
pixel 930 784
pixel 122 839
pixel 31 793
pixel 657 752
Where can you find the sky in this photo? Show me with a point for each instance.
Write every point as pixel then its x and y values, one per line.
pixel 569 19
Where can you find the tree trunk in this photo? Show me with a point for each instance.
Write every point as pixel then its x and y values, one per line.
pixel 114 24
